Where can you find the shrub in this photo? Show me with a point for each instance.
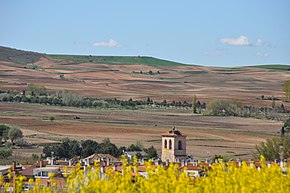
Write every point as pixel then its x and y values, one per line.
pixel 223 108
pixel 51 118
pixel 5 152
pixel 14 133
pixel 271 147
pixel 21 142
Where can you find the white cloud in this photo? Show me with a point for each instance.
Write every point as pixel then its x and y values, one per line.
pixel 262 54
pixel 239 41
pixel 243 41
pixel 110 43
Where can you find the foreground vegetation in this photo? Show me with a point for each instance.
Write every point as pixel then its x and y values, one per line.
pixel 222 177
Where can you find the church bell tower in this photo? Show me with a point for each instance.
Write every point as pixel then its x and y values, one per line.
pixel 173 146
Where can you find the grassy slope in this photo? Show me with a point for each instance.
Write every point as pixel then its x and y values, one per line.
pixel 119 60
pixel 273 66
pixel 18 56
pixel 25 57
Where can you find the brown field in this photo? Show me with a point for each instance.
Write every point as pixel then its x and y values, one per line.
pixel 207 135
pixel 173 83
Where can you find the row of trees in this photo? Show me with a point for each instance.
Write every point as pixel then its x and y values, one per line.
pixel 37 94
pixel 150 72
pixel 69 99
pixel 234 108
pixel 72 148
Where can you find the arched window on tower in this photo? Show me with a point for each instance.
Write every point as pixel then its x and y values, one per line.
pixel 180 145
pixel 170 144
pixel 165 143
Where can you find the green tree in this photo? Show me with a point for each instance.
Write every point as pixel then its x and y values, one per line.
pixel 273 103
pixel 71 99
pixel 14 133
pixel 4 132
pixel 35 157
pixel 5 152
pixel 223 108
pixel 66 149
pixel 194 104
pixel 134 147
pixel 152 152
pixel 50 148
pixel 286 89
pixel 89 147
pixel 107 147
pixel 51 118
pixel 101 104
pixel 287 125
pixel 271 147
pixel 36 90
pixel 69 149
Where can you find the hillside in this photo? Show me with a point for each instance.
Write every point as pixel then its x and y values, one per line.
pixel 138 77
pixel 18 56
pixel 119 60
pixel 273 66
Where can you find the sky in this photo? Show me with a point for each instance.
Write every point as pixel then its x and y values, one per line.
pixel 204 32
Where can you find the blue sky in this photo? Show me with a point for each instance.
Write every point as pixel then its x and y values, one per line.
pixel 212 33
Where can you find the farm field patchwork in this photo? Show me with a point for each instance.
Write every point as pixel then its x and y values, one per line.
pixel 206 135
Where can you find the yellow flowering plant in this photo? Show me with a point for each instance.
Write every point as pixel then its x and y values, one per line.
pixel 221 177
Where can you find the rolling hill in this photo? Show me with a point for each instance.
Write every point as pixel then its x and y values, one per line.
pixel 273 66
pixel 139 78
pixel 151 61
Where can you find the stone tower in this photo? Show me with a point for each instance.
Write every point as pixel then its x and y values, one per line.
pixel 173 146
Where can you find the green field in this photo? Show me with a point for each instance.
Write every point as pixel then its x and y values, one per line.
pixel 273 66
pixel 119 60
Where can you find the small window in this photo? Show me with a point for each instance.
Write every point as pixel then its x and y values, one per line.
pixel 165 143
pixel 170 144
pixel 180 145
pixel 44 174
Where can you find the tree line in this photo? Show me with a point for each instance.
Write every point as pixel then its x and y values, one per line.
pixel 234 108
pixel 38 94
pixel 69 148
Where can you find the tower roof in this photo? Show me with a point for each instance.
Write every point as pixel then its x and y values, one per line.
pixel 172 132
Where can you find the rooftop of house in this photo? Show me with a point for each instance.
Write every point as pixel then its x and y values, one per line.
pixel 132 153
pixel 28 170
pixel 101 157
